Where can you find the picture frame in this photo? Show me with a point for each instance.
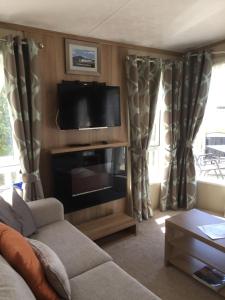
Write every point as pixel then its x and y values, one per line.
pixel 82 58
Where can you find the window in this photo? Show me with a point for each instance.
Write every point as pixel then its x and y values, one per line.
pixel 156 146
pixel 209 145
pixel 9 162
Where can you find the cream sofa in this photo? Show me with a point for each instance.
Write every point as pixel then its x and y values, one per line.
pixel 92 273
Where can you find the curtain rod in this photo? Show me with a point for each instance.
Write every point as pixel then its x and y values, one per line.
pixel 141 58
pixel 212 52
pixel 40 45
pixel 218 52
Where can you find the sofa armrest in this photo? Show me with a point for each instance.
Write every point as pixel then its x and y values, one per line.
pixel 46 211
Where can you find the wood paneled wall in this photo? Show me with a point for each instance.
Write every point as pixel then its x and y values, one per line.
pixel 52 69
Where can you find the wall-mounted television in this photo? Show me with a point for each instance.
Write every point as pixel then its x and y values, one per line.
pixel 88 106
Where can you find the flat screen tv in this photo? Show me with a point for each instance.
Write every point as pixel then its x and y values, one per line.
pixel 88 106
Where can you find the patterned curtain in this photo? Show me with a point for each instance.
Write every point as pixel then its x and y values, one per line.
pixel 23 93
pixel 186 85
pixel 143 77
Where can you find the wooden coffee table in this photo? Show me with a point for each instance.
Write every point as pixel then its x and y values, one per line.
pixel 188 248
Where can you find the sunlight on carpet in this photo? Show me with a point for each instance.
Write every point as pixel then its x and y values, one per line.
pixel 161 222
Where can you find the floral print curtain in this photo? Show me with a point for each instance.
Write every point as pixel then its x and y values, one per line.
pixel 186 85
pixel 143 76
pixel 23 93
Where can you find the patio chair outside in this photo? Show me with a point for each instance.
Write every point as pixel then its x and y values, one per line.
pixel 210 164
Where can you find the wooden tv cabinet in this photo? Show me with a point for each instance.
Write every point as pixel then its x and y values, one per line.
pixel 104 219
pixel 188 248
pixel 104 226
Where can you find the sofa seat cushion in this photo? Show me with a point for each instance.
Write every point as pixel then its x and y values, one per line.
pixel 12 285
pixel 76 251
pixel 108 281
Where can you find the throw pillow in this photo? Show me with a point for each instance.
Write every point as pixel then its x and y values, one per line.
pixel 53 267
pixel 20 255
pixel 24 214
pixel 8 216
pixel 20 212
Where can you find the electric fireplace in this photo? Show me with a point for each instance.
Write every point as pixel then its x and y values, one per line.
pixel 91 177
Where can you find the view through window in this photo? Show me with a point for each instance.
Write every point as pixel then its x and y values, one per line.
pixel 209 145
pixel 156 142
pixel 9 162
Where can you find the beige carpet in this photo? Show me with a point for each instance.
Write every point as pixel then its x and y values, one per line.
pixel 142 257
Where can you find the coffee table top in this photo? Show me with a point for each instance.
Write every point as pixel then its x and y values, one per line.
pixel 190 220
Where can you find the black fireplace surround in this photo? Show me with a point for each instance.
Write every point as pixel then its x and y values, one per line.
pixel 87 178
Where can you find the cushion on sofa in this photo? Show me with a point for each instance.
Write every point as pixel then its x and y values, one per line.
pixel 108 281
pixel 8 216
pixel 76 251
pixel 20 212
pixel 53 267
pixel 24 214
pixel 12 285
pixel 20 255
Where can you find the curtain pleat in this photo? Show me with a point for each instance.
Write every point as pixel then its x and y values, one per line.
pixel 186 85
pixel 23 93
pixel 143 78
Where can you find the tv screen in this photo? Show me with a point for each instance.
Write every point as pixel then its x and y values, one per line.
pixel 88 106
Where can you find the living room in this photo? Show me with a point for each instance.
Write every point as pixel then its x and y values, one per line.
pixel 96 48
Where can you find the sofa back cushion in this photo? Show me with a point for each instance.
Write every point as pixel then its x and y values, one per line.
pixel 12 285
pixel 20 255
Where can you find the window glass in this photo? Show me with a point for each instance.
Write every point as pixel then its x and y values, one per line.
pixel 156 144
pixel 209 145
pixel 9 162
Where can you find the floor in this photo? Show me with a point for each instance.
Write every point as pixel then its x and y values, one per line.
pixel 142 256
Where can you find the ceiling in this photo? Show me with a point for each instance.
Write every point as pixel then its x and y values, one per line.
pixel 165 24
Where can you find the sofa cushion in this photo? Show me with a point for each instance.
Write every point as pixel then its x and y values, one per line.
pixel 8 216
pixel 20 255
pixel 76 251
pixel 24 214
pixel 12 285
pixel 53 267
pixel 18 211
pixel 108 281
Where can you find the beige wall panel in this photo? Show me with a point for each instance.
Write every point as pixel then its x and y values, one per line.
pixel 52 69
pixel 211 196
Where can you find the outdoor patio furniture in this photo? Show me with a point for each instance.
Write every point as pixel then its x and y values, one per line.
pixel 210 164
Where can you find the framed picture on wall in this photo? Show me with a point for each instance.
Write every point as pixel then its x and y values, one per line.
pixel 82 58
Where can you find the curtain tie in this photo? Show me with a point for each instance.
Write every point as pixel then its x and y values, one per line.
pixel 30 177
pixel 173 151
pixel 189 144
pixel 139 152
pixel 144 153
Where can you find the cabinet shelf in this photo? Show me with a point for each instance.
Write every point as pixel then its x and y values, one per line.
pixel 74 148
pixel 102 227
pixel 187 263
pixel 201 251
pixel 190 265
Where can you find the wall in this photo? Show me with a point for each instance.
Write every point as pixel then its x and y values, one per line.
pixel 52 69
pixel 209 196
pixel 155 194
